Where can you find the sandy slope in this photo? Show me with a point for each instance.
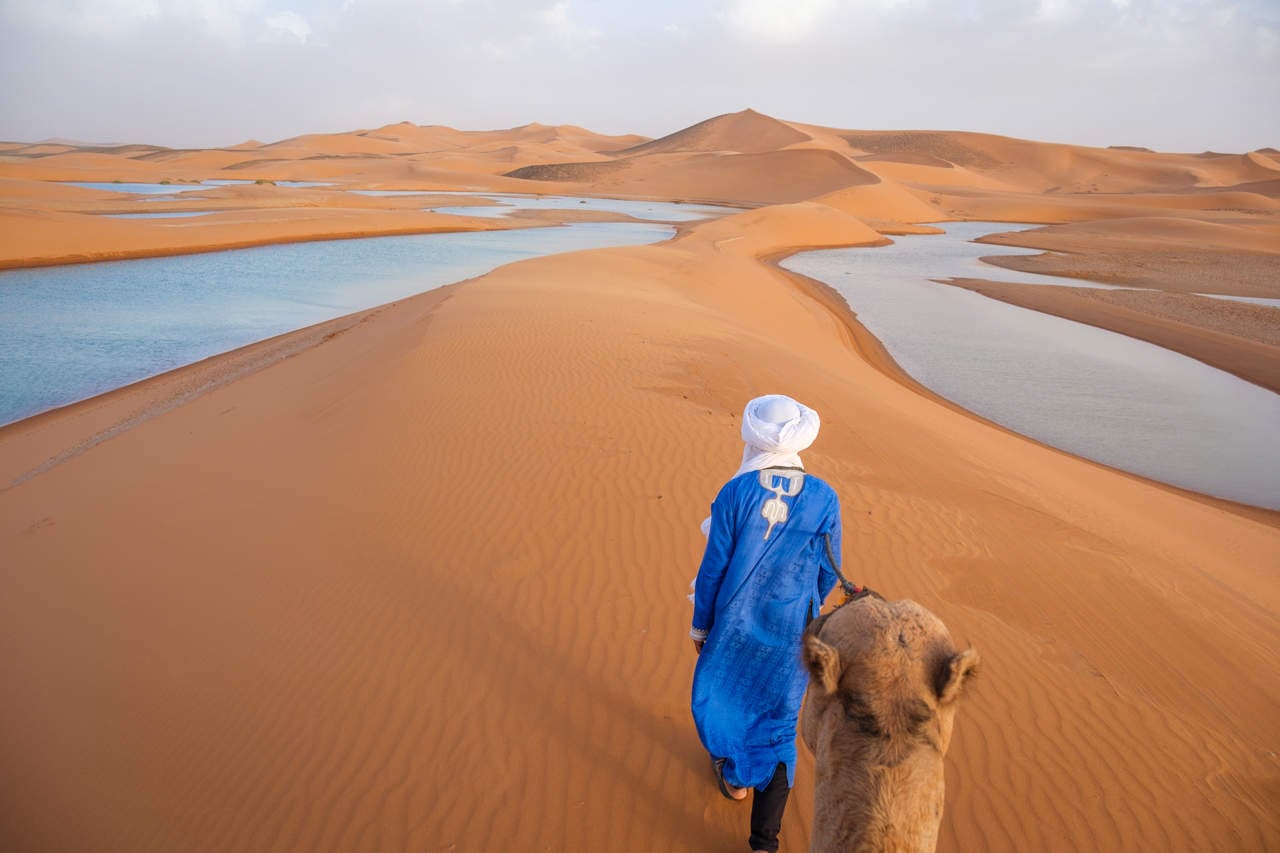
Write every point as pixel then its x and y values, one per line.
pixel 57 238
pixel 770 177
pixel 415 579
pixel 1232 255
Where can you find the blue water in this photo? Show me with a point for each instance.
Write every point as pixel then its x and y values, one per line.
pixel 67 333
pixel 223 182
pixel 70 332
pixel 1264 301
pixel 165 189
pixel 504 204
pixel 510 203
pixel 172 215
pixel 137 189
pixel 1104 396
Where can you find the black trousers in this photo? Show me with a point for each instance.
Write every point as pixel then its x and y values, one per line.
pixel 767 805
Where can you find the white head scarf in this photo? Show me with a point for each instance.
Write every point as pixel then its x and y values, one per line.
pixel 775 428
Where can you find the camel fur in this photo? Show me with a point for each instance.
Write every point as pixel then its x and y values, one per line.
pixel 884 681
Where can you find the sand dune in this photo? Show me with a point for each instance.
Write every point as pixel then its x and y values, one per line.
pixel 915 170
pixel 1264 159
pixel 926 158
pixel 774 177
pixel 519 146
pixel 45 238
pixel 747 132
pixel 24 193
pixel 77 165
pixel 1042 167
pixel 200 162
pixel 357 154
pixel 784 227
pixel 1240 234
pixel 1235 256
pixel 414 579
pixel 410 635
pixel 38 149
pixel 884 202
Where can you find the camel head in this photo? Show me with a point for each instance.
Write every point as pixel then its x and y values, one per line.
pixel 884 680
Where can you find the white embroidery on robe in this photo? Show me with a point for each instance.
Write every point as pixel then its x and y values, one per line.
pixel 783 484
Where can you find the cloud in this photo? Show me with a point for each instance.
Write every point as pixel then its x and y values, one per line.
pixel 778 21
pixel 1171 74
pixel 783 22
pixel 1054 10
pixel 103 18
pixel 559 22
pixel 225 20
pixel 287 26
pixel 220 19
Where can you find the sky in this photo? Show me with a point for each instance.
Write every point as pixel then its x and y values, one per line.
pixel 1173 75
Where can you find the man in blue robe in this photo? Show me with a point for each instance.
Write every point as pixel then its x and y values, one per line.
pixel 773 541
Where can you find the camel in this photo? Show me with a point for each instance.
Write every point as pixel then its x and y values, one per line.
pixel 884 677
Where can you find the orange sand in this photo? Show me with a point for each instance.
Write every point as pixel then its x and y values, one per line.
pixel 415 579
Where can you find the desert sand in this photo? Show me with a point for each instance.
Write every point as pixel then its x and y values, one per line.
pixel 415 578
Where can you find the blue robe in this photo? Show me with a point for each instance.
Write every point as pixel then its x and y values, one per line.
pixel 769 564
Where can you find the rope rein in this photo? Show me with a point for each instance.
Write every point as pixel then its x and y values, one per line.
pixel 851 590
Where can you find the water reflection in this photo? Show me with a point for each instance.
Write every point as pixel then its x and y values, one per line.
pixel 507 203
pixel 1097 394
pixel 140 188
pixel 185 214
pixel 70 332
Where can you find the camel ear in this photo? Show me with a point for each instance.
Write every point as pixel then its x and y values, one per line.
pixel 953 674
pixel 823 663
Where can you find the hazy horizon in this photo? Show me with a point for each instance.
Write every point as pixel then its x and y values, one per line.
pixel 1182 76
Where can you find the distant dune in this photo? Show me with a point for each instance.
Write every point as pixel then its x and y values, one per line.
pixel 747 132
pixel 677 164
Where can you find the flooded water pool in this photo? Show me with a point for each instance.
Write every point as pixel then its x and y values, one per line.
pixel 1101 395
pixel 70 332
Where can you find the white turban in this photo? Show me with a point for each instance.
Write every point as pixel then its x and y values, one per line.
pixel 775 428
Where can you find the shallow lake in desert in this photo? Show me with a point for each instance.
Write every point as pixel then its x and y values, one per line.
pixel 70 332
pixel 1104 396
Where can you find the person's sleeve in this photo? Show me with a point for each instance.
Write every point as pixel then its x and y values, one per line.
pixel 830 553
pixel 715 562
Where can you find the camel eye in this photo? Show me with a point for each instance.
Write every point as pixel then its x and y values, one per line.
pixel 916 714
pixel 858 712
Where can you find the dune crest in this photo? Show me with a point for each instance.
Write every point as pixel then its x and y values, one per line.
pixel 746 132
pixel 781 227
